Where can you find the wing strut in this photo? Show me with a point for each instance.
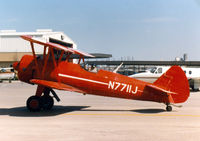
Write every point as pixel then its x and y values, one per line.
pixel 46 57
pixel 35 59
pixel 81 58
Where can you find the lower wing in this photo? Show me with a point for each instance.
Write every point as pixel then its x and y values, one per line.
pixel 56 85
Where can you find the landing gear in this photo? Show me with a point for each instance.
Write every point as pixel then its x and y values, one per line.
pixel 169 108
pixel 45 101
pixel 34 103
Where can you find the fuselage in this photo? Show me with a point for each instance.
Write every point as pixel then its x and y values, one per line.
pixel 103 83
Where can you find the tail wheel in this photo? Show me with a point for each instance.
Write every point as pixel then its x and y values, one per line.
pixel 34 103
pixel 47 102
pixel 169 108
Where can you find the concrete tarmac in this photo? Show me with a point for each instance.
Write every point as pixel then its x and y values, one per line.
pixel 86 117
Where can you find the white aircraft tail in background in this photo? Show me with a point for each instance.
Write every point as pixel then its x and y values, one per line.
pixel 193 75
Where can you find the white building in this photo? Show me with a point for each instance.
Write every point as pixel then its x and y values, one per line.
pixel 13 47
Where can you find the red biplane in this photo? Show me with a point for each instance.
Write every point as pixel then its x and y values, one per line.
pixel 55 70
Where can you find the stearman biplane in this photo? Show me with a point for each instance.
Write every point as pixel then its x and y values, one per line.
pixel 55 70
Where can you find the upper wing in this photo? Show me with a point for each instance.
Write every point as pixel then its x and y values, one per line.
pixel 81 53
pixel 53 45
pixel 69 49
pixel 44 43
pixel 56 85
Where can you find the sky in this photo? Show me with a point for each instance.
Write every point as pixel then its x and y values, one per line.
pixel 136 29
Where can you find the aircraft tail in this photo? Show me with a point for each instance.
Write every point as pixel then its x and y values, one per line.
pixel 175 83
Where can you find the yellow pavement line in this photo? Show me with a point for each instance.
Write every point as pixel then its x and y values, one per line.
pixel 116 114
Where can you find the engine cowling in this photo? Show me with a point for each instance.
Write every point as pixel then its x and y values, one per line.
pixel 25 68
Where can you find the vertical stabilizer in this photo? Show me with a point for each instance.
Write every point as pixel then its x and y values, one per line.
pixel 175 81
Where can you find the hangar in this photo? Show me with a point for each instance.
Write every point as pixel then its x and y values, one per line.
pixel 12 47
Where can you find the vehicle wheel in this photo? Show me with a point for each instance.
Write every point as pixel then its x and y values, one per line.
pixel 195 89
pixel 169 108
pixel 47 102
pixel 33 103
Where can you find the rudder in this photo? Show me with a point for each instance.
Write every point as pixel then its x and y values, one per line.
pixel 175 80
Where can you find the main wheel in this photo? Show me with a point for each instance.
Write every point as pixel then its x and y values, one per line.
pixel 47 102
pixel 33 103
pixel 169 108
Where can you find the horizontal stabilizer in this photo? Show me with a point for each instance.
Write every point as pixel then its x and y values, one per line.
pixel 160 93
pixel 163 91
pixel 175 84
pixel 170 88
pixel 55 85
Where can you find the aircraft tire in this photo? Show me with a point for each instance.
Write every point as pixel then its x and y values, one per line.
pixel 169 108
pixel 47 102
pixel 34 104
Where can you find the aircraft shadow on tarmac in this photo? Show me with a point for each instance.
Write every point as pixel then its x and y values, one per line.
pixel 58 110
pixel 143 111
pixel 23 112
pixel 149 111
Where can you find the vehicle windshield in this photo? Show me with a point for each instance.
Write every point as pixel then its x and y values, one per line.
pixel 90 68
pixel 153 70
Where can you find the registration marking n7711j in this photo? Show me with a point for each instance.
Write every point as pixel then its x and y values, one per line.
pixel 122 87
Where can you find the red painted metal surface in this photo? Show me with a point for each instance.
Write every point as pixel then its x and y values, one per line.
pixel 171 87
